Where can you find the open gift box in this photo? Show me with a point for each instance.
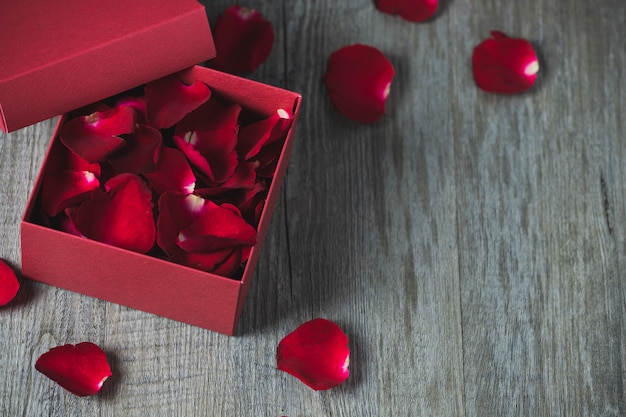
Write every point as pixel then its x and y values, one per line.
pixel 94 52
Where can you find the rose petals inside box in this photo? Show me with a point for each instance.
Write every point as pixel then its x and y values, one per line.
pixel 160 215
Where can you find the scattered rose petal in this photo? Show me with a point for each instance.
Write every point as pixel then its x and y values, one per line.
pixel 505 65
pixel 139 104
pixel 172 173
pixel 358 79
pixel 64 189
pixel 141 152
pixel 411 10
pixel 97 135
pixel 120 216
pixel 169 100
pixel 317 353
pixel 9 285
pixel 81 369
pixel 243 40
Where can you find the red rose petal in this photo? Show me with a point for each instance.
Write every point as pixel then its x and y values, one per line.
pixel 66 188
pixel 411 10
pixel 223 262
pixel 97 135
pixel 172 173
pixel 358 79
pixel 218 227
pixel 264 132
pixel 61 159
pixel 140 105
pixel 9 285
pixel 243 40
pixel 120 216
pixel 505 65
pixel 212 151
pixel 212 115
pixel 176 212
pixel 243 178
pixel 141 152
pixel 80 369
pixel 317 353
pixel 169 100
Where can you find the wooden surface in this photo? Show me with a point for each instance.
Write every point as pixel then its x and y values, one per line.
pixel 472 246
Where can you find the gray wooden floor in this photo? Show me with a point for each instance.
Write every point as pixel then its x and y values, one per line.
pixel 472 246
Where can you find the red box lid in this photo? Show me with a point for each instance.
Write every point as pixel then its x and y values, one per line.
pixel 56 56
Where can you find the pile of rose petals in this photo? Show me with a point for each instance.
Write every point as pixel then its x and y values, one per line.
pixel 81 369
pixel 175 171
pixel 9 285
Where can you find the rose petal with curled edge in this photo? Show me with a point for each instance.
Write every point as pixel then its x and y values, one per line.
pixel 214 114
pixel 218 227
pixel 176 212
pixel 121 215
pixel 9 285
pixel 81 369
pixel 212 151
pixel 358 79
pixel 60 159
pixel 141 152
pixel 97 135
pixel 64 189
pixel 411 10
pixel 243 178
pixel 243 40
pixel 504 65
pixel 169 100
pixel 253 137
pixel 317 353
pixel 172 173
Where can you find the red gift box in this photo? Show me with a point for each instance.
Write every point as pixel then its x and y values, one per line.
pixel 95 51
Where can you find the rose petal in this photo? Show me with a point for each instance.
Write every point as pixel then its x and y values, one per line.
pixel 411 10
pixel 212 115
pixel 243 40
pixel 211 151
pixel 243 178
pixel 505 65
pixel 139 104
pixel 141 152
pixel 120 216
pixel 97 135
pixel 256 135
pixel 176 212
pixel 358 79
pixel 223 262
pixel 172 173
pixel 66 188
pixel 169 100
pixel 218 227
pixel 80 369
pixel 317 353
pixel 9 285
pixel 60 159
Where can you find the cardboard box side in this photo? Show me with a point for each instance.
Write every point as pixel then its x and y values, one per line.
pixel 127 278
pixel 119 65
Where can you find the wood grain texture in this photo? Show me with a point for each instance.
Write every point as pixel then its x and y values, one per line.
pixel 472 246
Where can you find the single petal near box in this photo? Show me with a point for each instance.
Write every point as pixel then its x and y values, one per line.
pixel 9 285
pixel 81 369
